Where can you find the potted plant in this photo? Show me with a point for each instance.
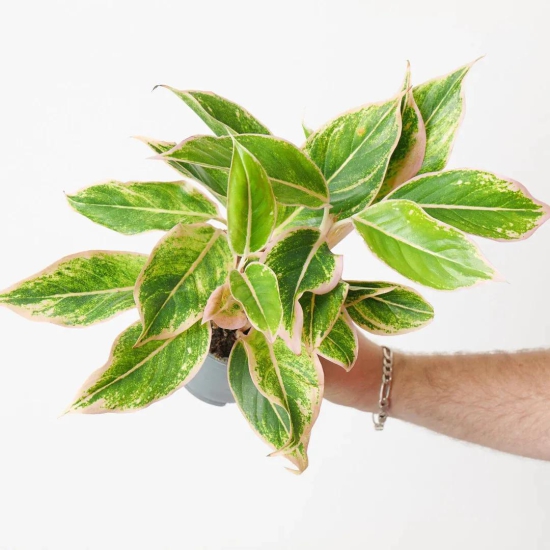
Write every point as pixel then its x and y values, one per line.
pixel 245 284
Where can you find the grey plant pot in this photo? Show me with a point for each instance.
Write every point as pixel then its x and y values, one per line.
pixel 210 383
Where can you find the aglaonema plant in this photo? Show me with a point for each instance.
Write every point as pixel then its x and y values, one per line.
pixel 248 249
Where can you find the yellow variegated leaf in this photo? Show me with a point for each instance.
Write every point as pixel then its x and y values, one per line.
pixel 78 290
pixel 135 207
pixel 185 267
pixel 387 308
pixel 135 377
pixel 341 345
pixel 441 104
pixel 302 262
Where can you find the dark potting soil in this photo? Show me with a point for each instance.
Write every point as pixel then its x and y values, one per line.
pixel 222 341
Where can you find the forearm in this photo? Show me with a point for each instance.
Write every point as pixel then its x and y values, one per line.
pixel 499 400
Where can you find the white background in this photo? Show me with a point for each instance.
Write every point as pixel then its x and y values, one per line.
pixel 76 80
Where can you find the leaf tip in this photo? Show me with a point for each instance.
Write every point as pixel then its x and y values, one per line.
pixel 160 86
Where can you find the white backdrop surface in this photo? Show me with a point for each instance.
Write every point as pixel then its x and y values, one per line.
pixel 76 80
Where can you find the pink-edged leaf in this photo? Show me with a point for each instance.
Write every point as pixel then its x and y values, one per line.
pixel 224 310
pixel 408 156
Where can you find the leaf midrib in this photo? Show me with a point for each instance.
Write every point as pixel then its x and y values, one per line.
pixel 354 152
pixel 415 246
pixel 191 270
pixel 127 373
pixel 73 294
pixel 147 209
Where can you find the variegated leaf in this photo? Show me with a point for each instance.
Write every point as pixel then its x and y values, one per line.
pixel 135 207
pixel 387 308
pixel 294 383
pixel 222 116
pixel 294 177
pixel 135 377
pixel 185 267
pixel 78 290
pixel 421 248
pixel 441 104
pixel 341 345
pixel 224 310
pixel 477 202
pixel 292 217
pixel 320 313
pixel 302 262
pixel 211 178
pixel 408 156
pixel 307 131
pixel 353 152
pixel 251 208
pixel 257 290
pixel 270 421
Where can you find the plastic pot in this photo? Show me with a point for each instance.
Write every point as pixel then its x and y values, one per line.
pixel 210 383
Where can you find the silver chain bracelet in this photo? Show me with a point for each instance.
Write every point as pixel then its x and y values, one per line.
pixel 379 419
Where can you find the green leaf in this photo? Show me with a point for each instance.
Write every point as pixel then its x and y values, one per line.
pixel 353 152
pixel 441 104
pixel 185 267
pixel 292 217
pixel 250 204
pixel 302 262
pixel 421 248
pixel 292 382
pixel 307 131
pixel 477 202
pixel 271 422
pixel 387 308
pixel 258 292
pixel 78 290
pixel 135 377
pixel 224 310
pixel 211 178
pixel 222 116
pixel 408 156
pixel 135 207
pixel 320 313
pixel 294 177
pixel 341 345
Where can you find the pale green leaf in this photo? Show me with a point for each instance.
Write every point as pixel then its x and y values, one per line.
pixel 341 345
pixel 353 152
pixel 257 291
pixel 477 202
pixel 292 217
pixel 302 262
pixel 135 207
pixel 78 290
pixel 185 267
pixel 251 207
pixel 307 131
pixel 408 156
pixel 320 313
pixel 222 116
pixel 270 421
pixel 224 310
pixel 294 177
pixel 135 377
pixel 387 308
pixel 292 382
pixel 421 248
pixel 441 105
pixel 211 178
